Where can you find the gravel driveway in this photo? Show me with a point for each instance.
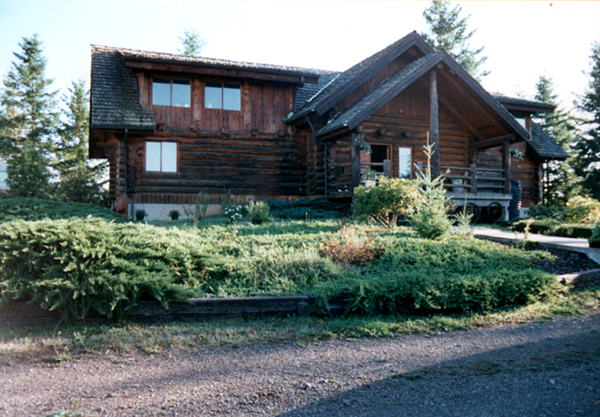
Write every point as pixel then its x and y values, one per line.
pixel 536 369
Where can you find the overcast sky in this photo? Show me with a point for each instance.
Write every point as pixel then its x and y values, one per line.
pixel 522 40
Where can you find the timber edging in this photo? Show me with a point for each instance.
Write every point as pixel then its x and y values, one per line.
pixel 196 309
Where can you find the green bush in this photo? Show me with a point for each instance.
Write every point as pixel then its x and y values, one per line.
pixel 541 226
pixel 81 265
pixel 416 275
pixel 385 202
pixel 582 210
pixel 540 211
pixel 314 209
pixel 595 238
pixel 580 231
pixel 37 209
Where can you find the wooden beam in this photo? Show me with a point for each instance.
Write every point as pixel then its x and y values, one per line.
pixel 506 165
pixel 434 123
pixel 488 143
pixel 223 72
pixel 355 160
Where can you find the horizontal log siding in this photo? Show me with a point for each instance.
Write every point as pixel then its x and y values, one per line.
pixel 263 107
pixel 261 165
pixel 522 170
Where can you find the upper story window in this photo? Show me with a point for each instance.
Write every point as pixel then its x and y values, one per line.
pixel 174 92
pixel 226 96
pixel 161 156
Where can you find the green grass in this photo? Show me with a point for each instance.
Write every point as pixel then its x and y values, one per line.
pixel 122 343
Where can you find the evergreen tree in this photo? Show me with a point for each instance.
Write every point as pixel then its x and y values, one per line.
pixel 27 122
pixel 448 31
pixel 560 125
pixel 587 160
pixel 192 43
pixel 79 181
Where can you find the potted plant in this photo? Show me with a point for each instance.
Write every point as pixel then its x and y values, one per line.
pixel 369 177
pixel 258 211
pixel 140 214
pixel 174 215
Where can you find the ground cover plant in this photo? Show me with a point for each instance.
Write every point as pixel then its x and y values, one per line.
pixel 21 208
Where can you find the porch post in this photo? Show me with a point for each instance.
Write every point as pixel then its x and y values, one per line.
pixel 506 162
pixel 434 130
pixel 355 160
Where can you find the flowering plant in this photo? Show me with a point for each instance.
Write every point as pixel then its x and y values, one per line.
pixel 233 212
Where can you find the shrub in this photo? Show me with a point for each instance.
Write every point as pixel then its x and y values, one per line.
pixel 316 209
pixel 174 215
pixel 582 210
pixel 233 212
pixel 542 226
pixel 81 265
pixel 594 239
pixel 385 202
pixel 258 210
pixel 416 275
pixel 540 211
pixel 580 231
pixel 140 214
pixel 349 247
pixel 13 208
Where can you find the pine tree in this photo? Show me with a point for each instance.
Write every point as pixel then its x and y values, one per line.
pixel 587 160
pixel 79 181
pixel 28 122
pixel 448 31
pixel 560 125
pixel 192 43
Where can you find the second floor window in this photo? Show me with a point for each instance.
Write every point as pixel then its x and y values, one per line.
pixel 174 92
pixel 225 96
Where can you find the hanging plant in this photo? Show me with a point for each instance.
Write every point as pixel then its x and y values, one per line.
pixel 516 153
pixel 359 140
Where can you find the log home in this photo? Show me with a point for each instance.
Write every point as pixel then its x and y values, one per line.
pixel 174 126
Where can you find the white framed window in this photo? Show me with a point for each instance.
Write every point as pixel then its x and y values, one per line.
pixel 224 96
pixel 173 92
pixel 161 156
pixel 404 162
pixel 3 175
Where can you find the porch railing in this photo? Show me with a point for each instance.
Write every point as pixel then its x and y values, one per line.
pixel 473 179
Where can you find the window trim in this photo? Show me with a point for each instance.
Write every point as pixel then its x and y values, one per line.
pixel 189 84
pixel 223 85
pixel 161 157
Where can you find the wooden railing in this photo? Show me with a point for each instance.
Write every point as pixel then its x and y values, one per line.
pixel 345 170
pixel 473 179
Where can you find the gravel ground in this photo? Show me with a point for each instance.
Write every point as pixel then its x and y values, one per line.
pixel 535 369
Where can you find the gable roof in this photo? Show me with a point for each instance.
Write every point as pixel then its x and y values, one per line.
pixel 393 85
pixel 544 146
pixel 519 104
pixel 348 80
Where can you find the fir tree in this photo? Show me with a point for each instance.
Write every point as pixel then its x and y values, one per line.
pixel 587 160
pixel 448 31
pixel 28 122
pixel 192 43
pixel 560 125
pixel 79 181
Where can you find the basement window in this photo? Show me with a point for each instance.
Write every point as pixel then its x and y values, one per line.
pixel 161 156
pixel 173 92
pixel 224 96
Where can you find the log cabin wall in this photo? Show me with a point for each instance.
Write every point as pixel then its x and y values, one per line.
pixel 407 112
pixel 249 152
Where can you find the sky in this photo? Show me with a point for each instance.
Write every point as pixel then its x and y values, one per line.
pixel 522 40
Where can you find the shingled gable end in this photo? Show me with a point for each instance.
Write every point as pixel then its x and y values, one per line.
pixel 174 126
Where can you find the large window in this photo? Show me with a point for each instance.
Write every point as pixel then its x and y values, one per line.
pixel 161 156
pixel 404 162
pixel 3 175
pixel 174 92
pixel 225 96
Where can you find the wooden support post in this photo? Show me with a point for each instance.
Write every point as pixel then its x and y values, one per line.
pixel 355 160
pixel 434 130
pixel 387 168
pixel 473 178
pixel 506 163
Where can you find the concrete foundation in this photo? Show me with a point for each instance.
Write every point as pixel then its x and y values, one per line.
pixel 161 211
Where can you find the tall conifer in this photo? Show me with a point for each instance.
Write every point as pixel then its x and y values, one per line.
pixel 587 160
pixel 192 43
pixel 563 183
pixel 28 121
pixel 448 31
